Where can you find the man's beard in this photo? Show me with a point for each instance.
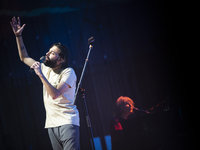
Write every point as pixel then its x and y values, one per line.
pixel 50 63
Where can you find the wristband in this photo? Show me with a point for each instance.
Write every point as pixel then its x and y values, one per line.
pixel 18 35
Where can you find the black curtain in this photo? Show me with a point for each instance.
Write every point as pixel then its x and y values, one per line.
pixel 137 53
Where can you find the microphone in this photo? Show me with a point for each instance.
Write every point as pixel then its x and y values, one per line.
pixel 42 59
pixel 91 41
pixel 137 109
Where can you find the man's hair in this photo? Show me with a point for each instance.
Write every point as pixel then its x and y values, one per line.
pixel 121 101
pixel 64 53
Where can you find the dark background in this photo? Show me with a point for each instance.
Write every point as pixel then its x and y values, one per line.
pixel 138 52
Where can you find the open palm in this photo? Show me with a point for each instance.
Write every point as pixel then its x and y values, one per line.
pixel 16 26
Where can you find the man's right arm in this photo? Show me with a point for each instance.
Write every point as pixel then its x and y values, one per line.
pixel 17 29
pixel 23 53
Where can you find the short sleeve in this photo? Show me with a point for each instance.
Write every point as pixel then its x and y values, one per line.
pixel 69 77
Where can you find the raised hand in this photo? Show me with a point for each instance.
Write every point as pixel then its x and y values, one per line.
pixel 16 26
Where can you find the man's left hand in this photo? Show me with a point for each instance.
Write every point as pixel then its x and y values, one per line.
pixel 37 67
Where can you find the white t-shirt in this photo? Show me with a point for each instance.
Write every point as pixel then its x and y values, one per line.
pixel 60 111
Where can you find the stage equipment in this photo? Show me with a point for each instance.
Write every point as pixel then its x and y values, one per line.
pixel 82 91
pixel 42 59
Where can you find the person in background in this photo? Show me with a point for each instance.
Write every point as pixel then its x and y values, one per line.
pixel 124 107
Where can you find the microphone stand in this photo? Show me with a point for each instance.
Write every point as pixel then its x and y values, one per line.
pixel 83 71
pixel 82 91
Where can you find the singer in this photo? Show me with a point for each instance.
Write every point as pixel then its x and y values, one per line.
pixel 59 84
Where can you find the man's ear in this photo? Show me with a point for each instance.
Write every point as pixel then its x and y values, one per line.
pixel 60 60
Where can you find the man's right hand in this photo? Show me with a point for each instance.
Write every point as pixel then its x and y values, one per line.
pixel 16 26
pixel 17 29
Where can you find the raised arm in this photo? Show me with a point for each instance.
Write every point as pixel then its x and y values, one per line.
pixel 17 29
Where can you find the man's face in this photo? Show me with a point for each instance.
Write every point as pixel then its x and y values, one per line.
pixel 51 57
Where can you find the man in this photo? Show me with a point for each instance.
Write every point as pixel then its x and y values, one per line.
pixel 59 84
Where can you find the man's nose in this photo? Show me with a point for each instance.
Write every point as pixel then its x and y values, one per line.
pixel 47 53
